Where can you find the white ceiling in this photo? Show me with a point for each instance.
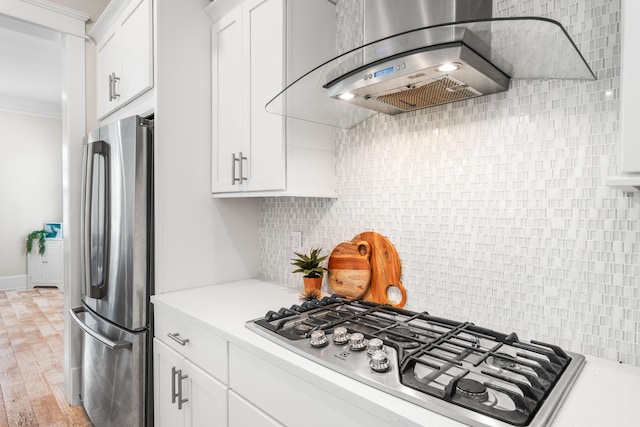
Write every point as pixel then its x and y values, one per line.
pixel 30 68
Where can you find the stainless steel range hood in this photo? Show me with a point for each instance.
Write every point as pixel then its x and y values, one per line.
pixel 413 81
pixel 402 63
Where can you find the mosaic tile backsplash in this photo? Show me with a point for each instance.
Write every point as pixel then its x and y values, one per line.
pixel 498 205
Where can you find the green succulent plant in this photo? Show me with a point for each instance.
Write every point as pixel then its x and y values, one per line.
pixel 309 265
pixel 36 235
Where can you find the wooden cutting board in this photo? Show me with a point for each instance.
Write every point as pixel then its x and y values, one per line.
pixel 385 269
pixel 349 269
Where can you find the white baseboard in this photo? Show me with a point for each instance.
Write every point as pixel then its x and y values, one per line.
pixel 13 282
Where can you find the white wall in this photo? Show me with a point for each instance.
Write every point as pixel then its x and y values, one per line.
pixel 498 205
pixel 199 240
pixel 31 183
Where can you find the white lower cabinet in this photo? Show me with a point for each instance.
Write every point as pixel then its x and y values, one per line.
pixel 201 379
pixel 208 398
pixel 185 395
pixel 45 269
pixel 244 414
pixel 166 410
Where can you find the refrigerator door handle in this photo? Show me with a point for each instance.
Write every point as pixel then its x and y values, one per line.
pixel 96 223
pixel 113 345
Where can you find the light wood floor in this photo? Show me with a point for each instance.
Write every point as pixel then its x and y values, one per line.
pixel 31 361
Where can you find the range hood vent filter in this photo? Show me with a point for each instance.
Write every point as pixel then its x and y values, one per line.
pixel 429 94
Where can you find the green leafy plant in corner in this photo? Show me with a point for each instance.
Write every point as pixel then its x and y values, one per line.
pixel 309 265
pixel 38 235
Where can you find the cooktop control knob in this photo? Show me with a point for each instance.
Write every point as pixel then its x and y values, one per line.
pixel 340 335
pixel 379 361
pixel 357 342
pixel 318 339
pixel 375 344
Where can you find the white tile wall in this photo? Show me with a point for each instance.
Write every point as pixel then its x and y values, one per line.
pixel 497 206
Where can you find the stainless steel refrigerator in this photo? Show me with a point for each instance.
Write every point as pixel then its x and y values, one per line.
pixel 117 263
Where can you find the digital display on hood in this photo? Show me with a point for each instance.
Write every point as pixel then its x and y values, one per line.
pixel 383 72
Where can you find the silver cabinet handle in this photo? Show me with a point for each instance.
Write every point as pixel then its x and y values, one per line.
pixel 115 79
pixel 176 338
pixel 177 374
pixel 173 384
pixel 241 176
pixel 112 86
pixel 234 159
pixel 180 399
pixel 241 158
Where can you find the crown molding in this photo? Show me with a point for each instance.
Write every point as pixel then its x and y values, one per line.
pixel 58 8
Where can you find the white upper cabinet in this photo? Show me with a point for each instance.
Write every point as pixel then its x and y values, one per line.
pixel 227 101
pixel 630 86
pixel 124 54
pixel 247 70
pixel 107 60
pixel 137 50
pixel 630 91
pixel 256 153
pixel 263 54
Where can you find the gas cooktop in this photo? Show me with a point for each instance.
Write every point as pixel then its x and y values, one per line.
pixel 468 373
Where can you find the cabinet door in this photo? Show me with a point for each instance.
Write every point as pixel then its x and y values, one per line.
pixel 36 266
pixel 264 59
pixel 630 85
pixel 137 51
pixel 243 413
pixel 165 363
pixel 53 263
pixel 207 405
pixel 204 398
pixel 227 88
pixel 108 61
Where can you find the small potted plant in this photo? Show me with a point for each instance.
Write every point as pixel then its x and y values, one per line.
pixel 40 236
pixel 309 266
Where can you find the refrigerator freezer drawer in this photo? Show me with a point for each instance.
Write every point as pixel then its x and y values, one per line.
pixel 113 371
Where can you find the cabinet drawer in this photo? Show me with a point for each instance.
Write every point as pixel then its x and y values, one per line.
pixel 287 398
pixel 203 348
pixel 243 413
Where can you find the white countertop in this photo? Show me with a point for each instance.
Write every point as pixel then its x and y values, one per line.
pixel 605 394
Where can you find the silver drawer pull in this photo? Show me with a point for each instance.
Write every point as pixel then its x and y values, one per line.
pixel 176 338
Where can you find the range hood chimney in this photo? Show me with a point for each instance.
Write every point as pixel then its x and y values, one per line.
pixel 428 53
